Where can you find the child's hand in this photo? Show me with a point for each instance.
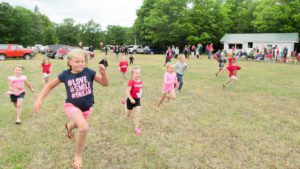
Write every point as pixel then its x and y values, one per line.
pixel 37 106
pixel 132 101
pixel 102 69
pixel 32 90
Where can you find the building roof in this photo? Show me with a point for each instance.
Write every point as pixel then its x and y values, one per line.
pixel 260 37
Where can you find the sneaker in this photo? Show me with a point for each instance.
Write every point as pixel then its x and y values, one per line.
pixel 138 131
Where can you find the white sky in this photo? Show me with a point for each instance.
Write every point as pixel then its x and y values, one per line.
pixel 104 12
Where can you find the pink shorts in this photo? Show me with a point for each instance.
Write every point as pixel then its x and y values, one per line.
pixel 70 109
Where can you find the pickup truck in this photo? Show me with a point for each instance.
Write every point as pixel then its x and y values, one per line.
pixel 135 49
pixel 14 51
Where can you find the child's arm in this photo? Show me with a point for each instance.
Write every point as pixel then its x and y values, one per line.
pixel 47 88
pixel 129 96
pixel 11 87
pixel 29 86
pixel 102 77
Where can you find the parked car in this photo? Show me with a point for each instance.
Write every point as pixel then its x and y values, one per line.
pixel 39 48
pixel 14 51
pixel 148 50
pixel 109 48
pixel 62 52
pixel 135 49
pixel 52 49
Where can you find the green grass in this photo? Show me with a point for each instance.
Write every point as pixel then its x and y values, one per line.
pixel 254 123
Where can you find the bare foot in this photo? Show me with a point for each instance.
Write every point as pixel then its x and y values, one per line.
pixel 69 132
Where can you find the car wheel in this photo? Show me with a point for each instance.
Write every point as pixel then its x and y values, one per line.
pixel 27 57
pixel 64 57
pixel 2 57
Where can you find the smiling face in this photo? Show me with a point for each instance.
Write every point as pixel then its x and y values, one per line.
pixel 170 69
pixel 18 71
pixel 77 63
pixel 136 75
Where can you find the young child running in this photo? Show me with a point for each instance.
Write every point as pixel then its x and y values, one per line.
pixel 78 81
pixel 123 65
pixel 17 91
pixel 46 69
pixel 134 92
pixel 181 67
pixel 169 85
pixel 131 59
pixel 222 60
pixel 232 68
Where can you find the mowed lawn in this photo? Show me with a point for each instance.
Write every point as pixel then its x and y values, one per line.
pixel 253 123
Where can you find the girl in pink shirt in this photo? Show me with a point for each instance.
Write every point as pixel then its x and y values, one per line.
pixel 16 87
pixel 169 85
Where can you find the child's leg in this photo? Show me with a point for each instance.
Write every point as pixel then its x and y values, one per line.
pixel 162 98
pixel 228 81
pixel 137 117
pixel 82 125
pixel 172 94
pixel 19 109
pixel 127 112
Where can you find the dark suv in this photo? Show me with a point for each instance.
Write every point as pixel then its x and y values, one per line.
pixel 52 49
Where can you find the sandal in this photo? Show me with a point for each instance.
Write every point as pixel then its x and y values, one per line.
pixel 69 133
pixel 76 165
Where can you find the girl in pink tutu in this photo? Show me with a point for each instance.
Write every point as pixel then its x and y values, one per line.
pixel 169 85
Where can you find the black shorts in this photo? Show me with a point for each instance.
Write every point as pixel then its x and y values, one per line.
pixel 14 98
pixel 130 106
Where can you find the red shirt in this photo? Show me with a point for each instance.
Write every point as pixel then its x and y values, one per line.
pixel 136 88
pixel 233 69
pixel 46 68
pixel 123 65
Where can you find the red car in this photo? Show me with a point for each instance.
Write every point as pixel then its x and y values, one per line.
pixel 14 51
pixel 63 51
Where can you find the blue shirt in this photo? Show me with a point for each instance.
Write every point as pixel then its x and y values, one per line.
pixel 79 88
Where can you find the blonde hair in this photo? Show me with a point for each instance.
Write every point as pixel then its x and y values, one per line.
pixel 76 53
pixel 134 68
pixel 181 56
pixel 169 65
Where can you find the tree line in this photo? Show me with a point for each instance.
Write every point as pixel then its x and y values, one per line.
pixel 159 23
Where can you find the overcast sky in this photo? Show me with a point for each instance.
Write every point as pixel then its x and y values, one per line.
pixel 104 12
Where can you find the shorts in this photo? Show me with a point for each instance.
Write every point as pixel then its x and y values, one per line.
pixel 70 109
pixel 233 78
pixel 14 98
pixel 221 68
pixel 46 75
pixel 130 106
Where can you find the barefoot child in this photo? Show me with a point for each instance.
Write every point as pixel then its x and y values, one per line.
pixel 123 65
pixel 134 92
pixel 232 68
pixel 169 85
pixel 17 91
pixel 46 69
pixel 78 81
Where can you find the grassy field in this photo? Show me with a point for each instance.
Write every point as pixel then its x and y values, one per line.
pixel 254 123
